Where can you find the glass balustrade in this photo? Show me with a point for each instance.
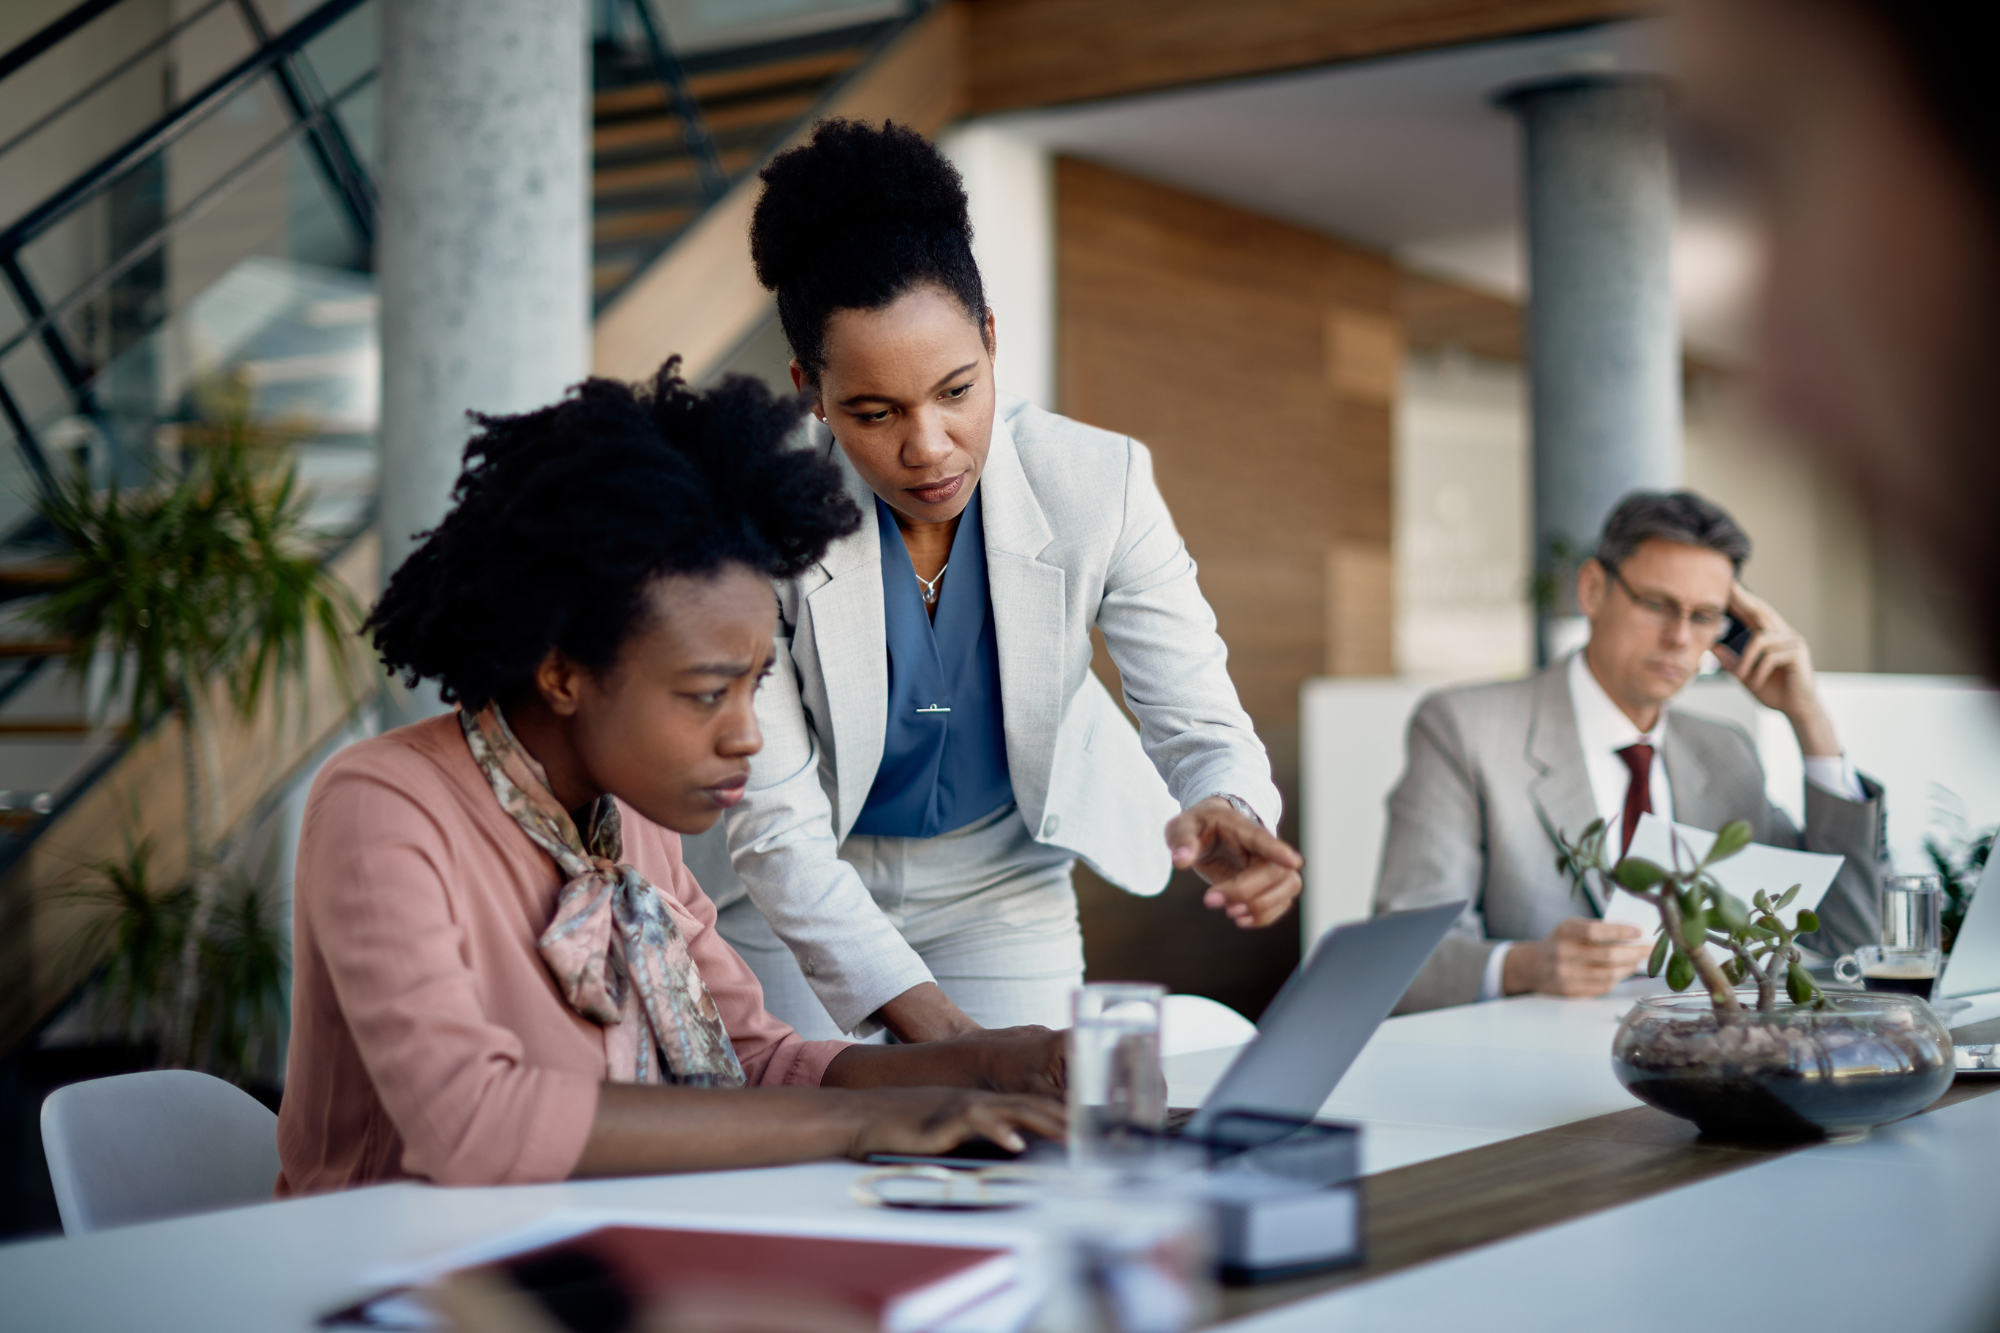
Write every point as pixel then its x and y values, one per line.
pixel 232 251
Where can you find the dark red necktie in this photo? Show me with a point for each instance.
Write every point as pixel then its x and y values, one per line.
pixel 1639 795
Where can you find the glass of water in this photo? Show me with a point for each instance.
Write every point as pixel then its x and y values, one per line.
pixel 1126 1250
pixel 1117 1092
pixel 1913 912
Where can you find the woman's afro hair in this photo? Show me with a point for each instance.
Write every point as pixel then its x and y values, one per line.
pixel 563 516
pixel 851 220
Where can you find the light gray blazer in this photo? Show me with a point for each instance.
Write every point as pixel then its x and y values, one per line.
pixel 1496 771
pixel 1076 535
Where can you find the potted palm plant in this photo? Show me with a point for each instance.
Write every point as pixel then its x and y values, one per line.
pixel 1762 1051
pixel 204 589
pixel 1960 861
pixel 136 932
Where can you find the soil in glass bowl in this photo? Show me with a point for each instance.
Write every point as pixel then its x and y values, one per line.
pixel 1835 1070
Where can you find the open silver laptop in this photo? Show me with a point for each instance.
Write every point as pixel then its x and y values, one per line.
pixel 1310 1033
pixel 1974 965
pixel 1334 1001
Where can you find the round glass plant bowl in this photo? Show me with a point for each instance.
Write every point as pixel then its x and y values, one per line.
pixel 1836 1071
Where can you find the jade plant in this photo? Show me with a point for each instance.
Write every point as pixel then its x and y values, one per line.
pixel 1697 914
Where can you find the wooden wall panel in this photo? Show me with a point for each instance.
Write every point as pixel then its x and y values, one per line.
pixel 1259 362
pixel 1025 53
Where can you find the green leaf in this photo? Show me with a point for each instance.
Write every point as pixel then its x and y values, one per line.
pixel 1799 984
pixel 1659 958
pixel 1638 874
pixel 1761 901
pixel 1680 971
pixel 1789 894
pixel 1695 926
pixel 1808 921
pixel 1734 970
pixel 1729 909
pixel 1733 838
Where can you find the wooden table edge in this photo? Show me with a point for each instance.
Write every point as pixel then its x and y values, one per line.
pixel 1448 1205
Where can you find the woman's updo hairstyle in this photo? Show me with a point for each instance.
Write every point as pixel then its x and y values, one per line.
pixel 851 220
pixel 563 517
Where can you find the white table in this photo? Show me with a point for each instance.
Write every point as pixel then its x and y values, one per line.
pixel 1437 1083
pixel 1899 1231
pixel 1897 1212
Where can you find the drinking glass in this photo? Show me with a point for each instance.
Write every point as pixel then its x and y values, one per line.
pixel 1913 912
pixel 1903 971
pixel 1117 1092
pixel 1126 1247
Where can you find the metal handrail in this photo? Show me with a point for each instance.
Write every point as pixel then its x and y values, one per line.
pixel 272 57
pixel 878 35
pixel 189 212
pixel 175 124
pixel 88 90
pixel 699 142
pixel 51 33
pixel 329 143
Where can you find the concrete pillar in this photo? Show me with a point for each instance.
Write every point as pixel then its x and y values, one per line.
pixel 1010 185
pixel 1603 336
pixel 483 261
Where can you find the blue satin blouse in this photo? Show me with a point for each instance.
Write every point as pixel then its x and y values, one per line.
pixel 944 754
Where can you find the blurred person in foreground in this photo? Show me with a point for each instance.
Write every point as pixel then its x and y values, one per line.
pixel 1496 772
pixel 1868 132
pixel 505 973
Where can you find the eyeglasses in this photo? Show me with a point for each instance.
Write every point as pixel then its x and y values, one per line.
pixel 1705 623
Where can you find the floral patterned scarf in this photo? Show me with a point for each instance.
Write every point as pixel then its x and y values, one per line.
pixel 613 947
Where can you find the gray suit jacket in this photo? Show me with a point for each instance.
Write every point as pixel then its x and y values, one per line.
pixel 1076 535
pixel 1496 771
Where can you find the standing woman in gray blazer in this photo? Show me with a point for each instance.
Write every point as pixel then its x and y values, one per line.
pixel 937 750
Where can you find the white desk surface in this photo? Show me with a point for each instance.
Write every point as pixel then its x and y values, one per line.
pixel 1898 1231
pixel 1890 1220
pixel 1437 1083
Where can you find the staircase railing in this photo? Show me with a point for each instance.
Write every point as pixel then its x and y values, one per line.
pixel 717 100
pixel 39 839
pixel 276 55
pixel 694 127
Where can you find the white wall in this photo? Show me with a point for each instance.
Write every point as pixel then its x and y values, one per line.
pixel 1814 557
pixel 1461 524
pixel 1462 532
pixel 1933 742
pixel 1010 183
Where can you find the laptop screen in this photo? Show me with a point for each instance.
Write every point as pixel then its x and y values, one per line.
pixel 1974 965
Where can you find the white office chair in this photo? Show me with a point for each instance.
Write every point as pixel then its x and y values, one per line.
pixel 165 1143
pixel 1197 1023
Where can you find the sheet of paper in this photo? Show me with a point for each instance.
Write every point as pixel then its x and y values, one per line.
pixel 1758 866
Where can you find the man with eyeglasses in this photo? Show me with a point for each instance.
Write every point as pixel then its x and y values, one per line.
pixel 1496 771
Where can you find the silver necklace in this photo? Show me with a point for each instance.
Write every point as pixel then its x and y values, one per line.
pixel 930 586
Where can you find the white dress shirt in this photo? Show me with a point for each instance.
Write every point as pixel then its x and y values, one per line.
pixel 1604 730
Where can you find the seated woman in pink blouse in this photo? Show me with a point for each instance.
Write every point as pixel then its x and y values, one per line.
pixel 503 971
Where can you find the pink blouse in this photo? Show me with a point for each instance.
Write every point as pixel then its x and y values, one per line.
pixel 428 1038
